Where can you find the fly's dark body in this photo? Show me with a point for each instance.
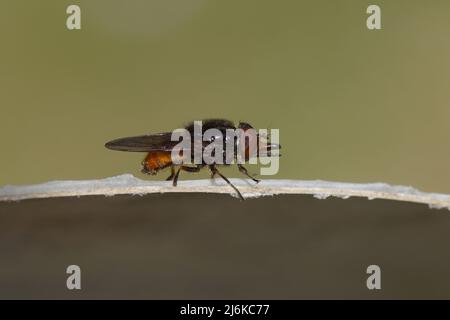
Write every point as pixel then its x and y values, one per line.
pixel 159 148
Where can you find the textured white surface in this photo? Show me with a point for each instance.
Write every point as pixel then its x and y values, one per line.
pixel 128 184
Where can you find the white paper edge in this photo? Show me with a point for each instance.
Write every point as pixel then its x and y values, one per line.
pixel 128 184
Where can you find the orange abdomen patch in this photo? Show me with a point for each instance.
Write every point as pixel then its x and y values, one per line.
pixel 157 160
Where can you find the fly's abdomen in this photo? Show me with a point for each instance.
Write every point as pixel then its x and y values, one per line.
pixel 155 161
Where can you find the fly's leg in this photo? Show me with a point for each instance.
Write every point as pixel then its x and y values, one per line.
pixel 244 171
pixel 171 174
pixel 191 169
pixel 214 171
pixel 175 175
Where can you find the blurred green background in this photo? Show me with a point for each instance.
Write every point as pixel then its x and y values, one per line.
pixel 351 104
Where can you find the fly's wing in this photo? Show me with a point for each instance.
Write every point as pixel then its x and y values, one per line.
pixel 146 143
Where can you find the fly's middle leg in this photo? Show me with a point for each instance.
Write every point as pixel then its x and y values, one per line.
pixel 215 171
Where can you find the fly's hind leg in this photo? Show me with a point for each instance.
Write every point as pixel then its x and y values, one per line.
pixel 172 174
pixel 214 171
pixel 244 171
pixel 175 175
pixel 191 169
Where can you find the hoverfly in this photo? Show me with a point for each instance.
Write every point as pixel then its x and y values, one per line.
pixel 159 147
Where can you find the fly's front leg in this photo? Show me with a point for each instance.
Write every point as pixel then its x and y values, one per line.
pixel 244 171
